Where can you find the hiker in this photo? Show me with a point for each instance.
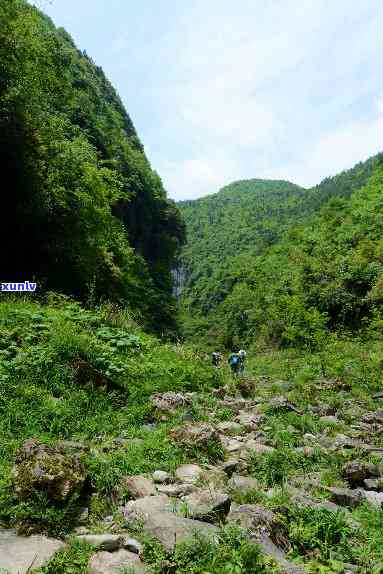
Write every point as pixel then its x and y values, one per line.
pixel 242 355
pixel 234 362
pixel 216 358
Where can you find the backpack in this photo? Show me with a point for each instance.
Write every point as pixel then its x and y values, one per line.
pixel 234 360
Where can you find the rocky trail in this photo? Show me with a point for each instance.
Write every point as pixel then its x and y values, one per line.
pixel 173 505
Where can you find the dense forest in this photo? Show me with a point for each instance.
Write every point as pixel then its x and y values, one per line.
pixel 83 213
pixel 269 261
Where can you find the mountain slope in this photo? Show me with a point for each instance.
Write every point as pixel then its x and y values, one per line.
pixel 239 227
pixel 83 212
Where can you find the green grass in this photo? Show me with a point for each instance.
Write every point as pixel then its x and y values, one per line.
pixel 45 395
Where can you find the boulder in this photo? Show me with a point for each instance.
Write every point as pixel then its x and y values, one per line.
pixel 207 505
pixel 176 490
pixel 300 498
pixel 72 447
pixel 116 562
pixel 248 420
pixel 345 496
pixel 201 436
pixel 279 556
pixel 267 532
pixel 132 545
pixel 189 473
pixel 355 472
pixel 261 523
pixel 21 554
pixel 230 466
pixel 281 404
pixel 161 477
pixel 42 468
pixel 169 401
pixel 108 542
pixel 374 498
pixel 138 486
pixel 231 444
pixel 323 409
pixel 375 417
pixel 169 528
pixel 235 404
pixel 372 484
pixel 135 509
pixel 230 428
pixel 243 484
pixel 253 446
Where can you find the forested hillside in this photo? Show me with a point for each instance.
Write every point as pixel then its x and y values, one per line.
pixel 272 261
pixel 82 211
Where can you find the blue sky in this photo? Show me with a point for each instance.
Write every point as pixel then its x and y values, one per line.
pixel 221 90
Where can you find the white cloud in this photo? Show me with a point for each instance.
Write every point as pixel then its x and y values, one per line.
pixel 334 152
pixel 222 91
pixel 228 102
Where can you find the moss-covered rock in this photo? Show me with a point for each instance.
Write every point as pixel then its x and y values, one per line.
pixel 40 468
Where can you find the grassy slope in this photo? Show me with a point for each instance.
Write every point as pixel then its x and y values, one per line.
pixel 42 396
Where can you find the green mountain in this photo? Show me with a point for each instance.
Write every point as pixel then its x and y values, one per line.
pixel 252 248
pixel 82 211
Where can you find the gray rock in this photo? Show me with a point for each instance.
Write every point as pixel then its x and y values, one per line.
pixel 134 509
pixel 190 473
pixel 349 569
pixel 176 490
pixel 138 486
pixel 113 563
pixel 374 498
pixel 355 472
pixel 253 446
pixel 323 409
pixel 231 444
pixel 271 550
pixel 300 498
pixel 108 542
pixel 207 505
pixel 375 417
pixel 132 545
pixel 261 523
pixel 169 401
pixel 169 528
pixel 372 484
pixel 243 483
pixel 230 466
pixel 42 468
pixel 378 395
pixel 345 496
pixel 230 428
pixel 200 436
pixel 72 446
pixel 235 404
pixel 266 531
pixel 161 477
pixel 282 404
pixel 250 421
pixel 21 554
